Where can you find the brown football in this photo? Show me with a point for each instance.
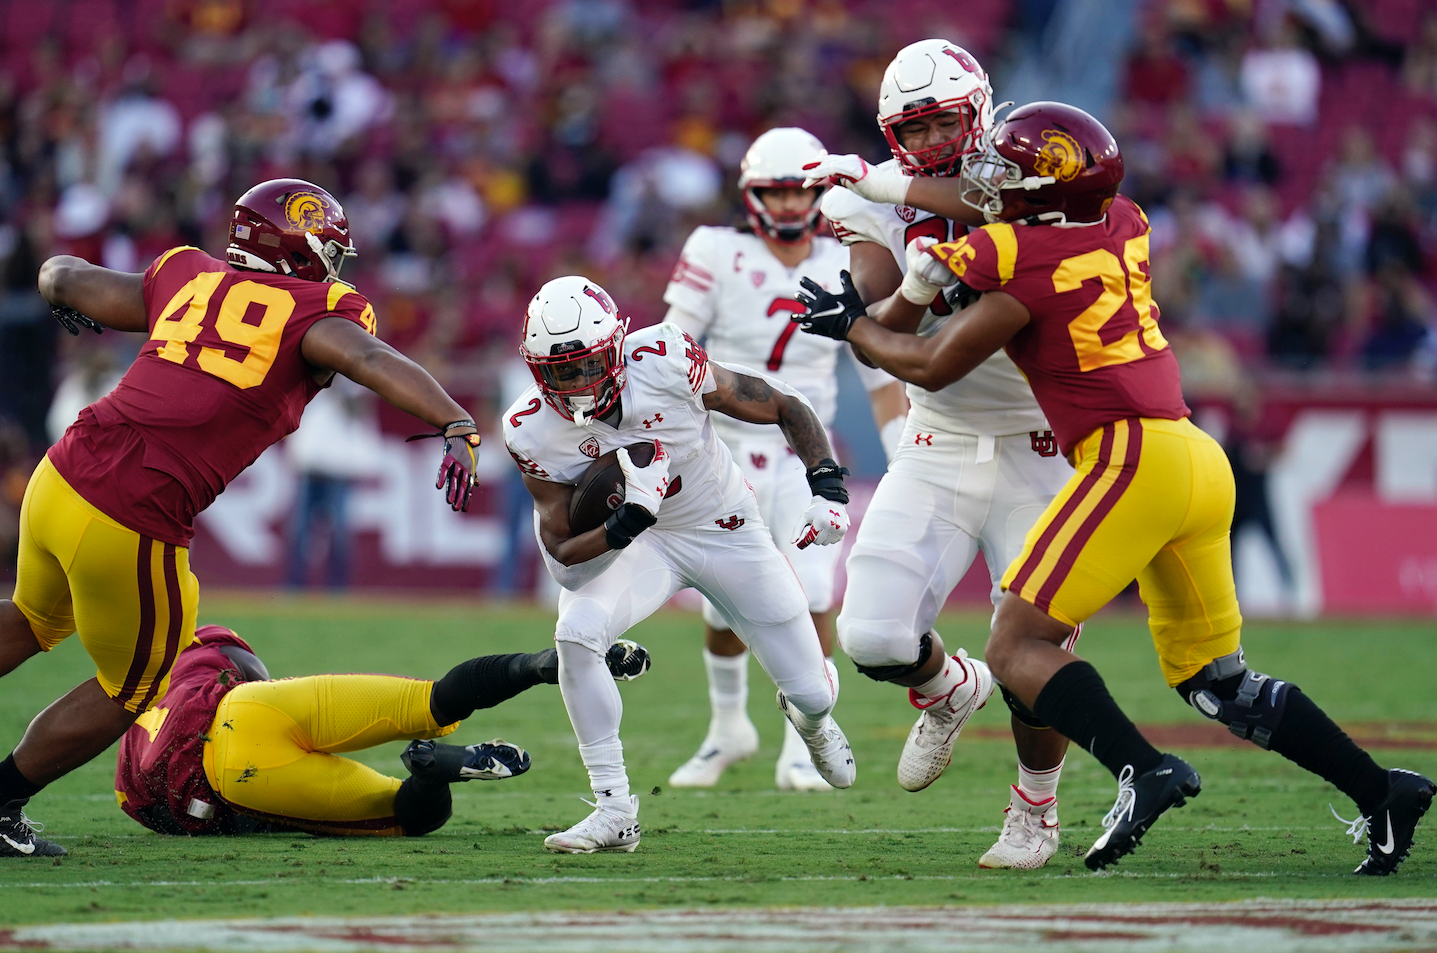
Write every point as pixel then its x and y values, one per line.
pixel 600 489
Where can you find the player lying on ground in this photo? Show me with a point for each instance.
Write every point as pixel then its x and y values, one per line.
pixel 975 467
pixel 235 351
pixel 228 751
pixel 686 518
pixel 733 290
pixel 1063 267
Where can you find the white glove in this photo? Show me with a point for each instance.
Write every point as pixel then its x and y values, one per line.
pixel 646 486
pixel 884 185
pixel 824 523
pixel 926 275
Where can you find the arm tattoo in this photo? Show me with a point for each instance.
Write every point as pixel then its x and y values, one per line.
pixel 804 432
pixel 752 389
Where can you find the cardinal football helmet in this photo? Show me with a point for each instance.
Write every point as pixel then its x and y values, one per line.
pixel 1045 161
pixel 776 160
pixel 291 227
pixel 574 345
pixel 927 78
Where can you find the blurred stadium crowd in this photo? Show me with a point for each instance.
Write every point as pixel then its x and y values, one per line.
pixel 1285 151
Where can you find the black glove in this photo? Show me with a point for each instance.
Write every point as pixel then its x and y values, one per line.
pixel 72 320
pixel 828 314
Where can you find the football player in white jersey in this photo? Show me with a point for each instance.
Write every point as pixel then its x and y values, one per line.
pixel 687 518
pixel 975 466
pixel 734 290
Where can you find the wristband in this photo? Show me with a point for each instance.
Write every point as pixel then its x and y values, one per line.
pixel 628 521
pixel 455 425
pixel 826 480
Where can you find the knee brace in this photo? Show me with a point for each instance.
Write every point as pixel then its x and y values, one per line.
pixel 1250 703
pixel 887 673
pixel 1021 711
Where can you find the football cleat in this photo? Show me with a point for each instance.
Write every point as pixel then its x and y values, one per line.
pixel 929 748
pixel 1390 828
pixel 1030 835
pixel 828 747
pixel 17 834
pixel 610 827
pixel 490 761
pixel 627 660
pixel 729 742
pixel 1141 801
pixel 795 770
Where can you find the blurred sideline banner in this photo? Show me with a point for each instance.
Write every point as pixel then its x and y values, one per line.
pixel 1351 483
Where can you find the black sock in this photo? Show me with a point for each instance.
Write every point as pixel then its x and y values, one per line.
pixel 422 806
pixel 484 682
pixel 1076 703
pixel 14 786
pixel 1310 739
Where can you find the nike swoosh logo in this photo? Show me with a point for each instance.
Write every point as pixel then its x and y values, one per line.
pixel 1386 848
pixel 28 848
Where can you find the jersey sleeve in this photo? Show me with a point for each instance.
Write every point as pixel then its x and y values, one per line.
pixel 693 287
pixel 516 439
pixel 983 259
pixel 181 256
pixel 345 302
pixel 853 218
pixel 677 364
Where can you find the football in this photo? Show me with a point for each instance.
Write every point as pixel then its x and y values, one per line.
pixel 600 490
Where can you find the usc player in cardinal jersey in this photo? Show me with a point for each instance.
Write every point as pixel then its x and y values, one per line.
pixel 236 350
pixel 1062 263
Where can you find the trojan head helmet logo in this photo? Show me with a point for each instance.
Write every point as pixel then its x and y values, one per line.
pixel 306 210
pixel 1061 156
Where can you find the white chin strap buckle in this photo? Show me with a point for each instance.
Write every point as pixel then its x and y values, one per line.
pixel 1034 182
pixel 582 408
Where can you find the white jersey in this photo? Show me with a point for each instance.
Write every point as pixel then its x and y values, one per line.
pixel 740 299
pixel 995 398
pixel 662 401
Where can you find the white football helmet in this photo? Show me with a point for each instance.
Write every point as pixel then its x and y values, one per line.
pixel 574 345
pixel 776 160
pixel 930 77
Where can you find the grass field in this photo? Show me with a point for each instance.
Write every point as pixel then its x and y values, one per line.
pixel 1261 827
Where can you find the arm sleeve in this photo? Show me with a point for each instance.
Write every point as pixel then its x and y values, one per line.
pixel 693 286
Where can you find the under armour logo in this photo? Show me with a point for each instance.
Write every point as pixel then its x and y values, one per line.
pixel 658 419
pixel 759 460
pixel 732 523
pixel 1044 444
pixel 923 439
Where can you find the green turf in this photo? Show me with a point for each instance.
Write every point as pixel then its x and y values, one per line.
pixel 1261 827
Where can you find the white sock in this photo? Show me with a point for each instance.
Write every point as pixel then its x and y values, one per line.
pixel 595 710
pixel 1038 786
pixel 728 686
pixel 953 675
pixel 615 801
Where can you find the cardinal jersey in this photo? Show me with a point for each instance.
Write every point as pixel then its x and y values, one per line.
pixel 220 380
pixel 1092 351
pixel 662 401
pixel 741 299
pixel 160 779
pixel 994 399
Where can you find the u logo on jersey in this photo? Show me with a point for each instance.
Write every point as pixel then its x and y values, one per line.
pixel 1061 156
pixel 1044 444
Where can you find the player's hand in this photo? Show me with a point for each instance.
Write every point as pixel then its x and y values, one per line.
pixel 72 320
pixel 829 315
pixel 886 185
pixel 456 472
pixel 627 660
pixel 926 275
pixel 824 523
pixel 646 486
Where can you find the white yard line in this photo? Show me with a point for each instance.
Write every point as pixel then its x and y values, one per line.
pixel 1293 926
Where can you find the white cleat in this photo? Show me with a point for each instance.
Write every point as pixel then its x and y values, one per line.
pixel 828 747
pixel 929 748
pixel 1030 835
pixel 734 742
pixel 795 770
pixel 609 827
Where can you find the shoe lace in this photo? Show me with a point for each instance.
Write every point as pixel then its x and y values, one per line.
pixel 1127 798
pixel 1356 827
pixel 1020 828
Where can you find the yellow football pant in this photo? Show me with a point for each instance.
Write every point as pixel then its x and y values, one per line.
pixel 1151 500
pixel 272 749
pixel 133 599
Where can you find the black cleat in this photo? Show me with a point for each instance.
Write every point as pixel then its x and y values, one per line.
pixel 1141 801
pixel 627 660
pixel 1390 828
pixel 17 834
pixel 490 761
